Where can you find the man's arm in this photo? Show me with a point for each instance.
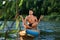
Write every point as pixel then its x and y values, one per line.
pixel 36 19
pixel 25 20
pixel 41 17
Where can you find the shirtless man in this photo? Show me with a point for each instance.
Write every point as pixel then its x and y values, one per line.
pixel 30 21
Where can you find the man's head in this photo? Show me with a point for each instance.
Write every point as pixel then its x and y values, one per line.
pixel 30 12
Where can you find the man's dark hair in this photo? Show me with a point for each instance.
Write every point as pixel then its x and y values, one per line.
pixel 31 10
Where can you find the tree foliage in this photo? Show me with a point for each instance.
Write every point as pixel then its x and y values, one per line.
pixel 9 9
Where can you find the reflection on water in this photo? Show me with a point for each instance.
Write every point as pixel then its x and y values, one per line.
pixel 49 30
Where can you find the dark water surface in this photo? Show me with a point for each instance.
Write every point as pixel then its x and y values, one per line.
pixel 49 30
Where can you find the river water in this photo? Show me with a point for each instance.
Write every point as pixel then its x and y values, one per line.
pixel 49 30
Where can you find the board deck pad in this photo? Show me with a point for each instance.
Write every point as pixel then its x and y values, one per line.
pixel 32 32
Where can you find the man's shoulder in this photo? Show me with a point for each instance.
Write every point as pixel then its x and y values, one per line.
pixel 27 16
pixel 35 16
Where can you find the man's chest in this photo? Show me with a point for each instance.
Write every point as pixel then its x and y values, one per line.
pixel 31 18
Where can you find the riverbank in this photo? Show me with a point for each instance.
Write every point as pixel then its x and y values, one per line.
pixel 51 17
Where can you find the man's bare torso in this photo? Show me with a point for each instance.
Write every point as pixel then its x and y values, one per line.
pixel 31 19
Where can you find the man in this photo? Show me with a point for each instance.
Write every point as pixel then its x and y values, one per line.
pixel 30 21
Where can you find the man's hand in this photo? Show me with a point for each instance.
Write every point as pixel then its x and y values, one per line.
pixel 41 17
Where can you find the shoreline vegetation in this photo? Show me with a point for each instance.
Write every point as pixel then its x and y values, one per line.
pixel 46 18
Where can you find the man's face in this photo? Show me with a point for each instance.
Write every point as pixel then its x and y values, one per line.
pixel 30 12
